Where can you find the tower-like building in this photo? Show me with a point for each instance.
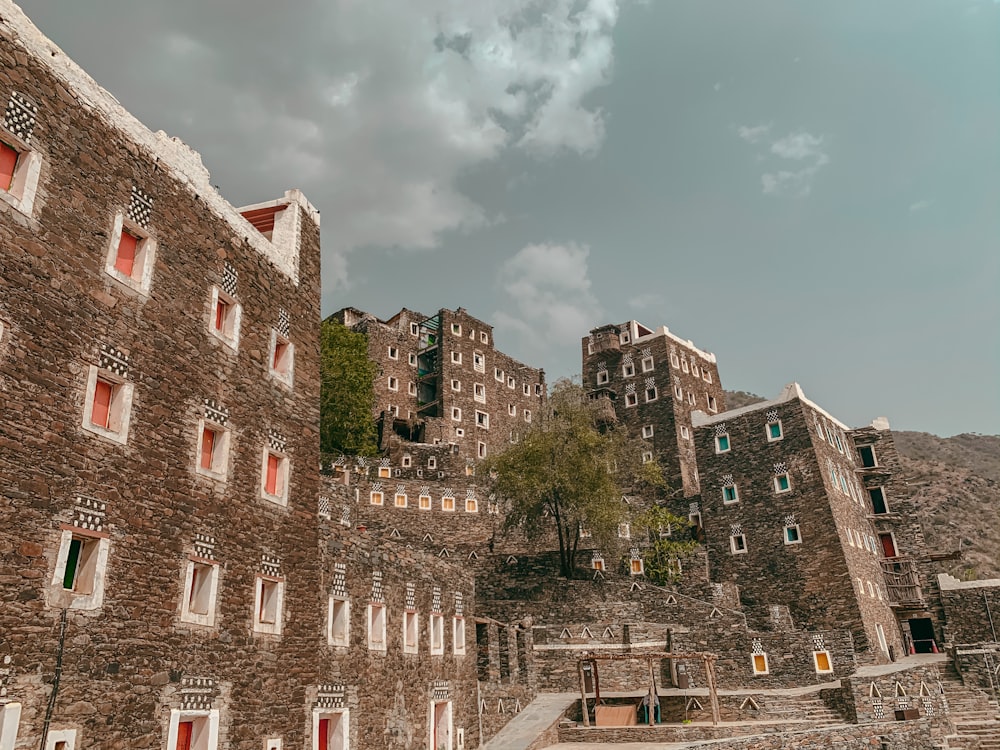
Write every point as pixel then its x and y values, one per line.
pixel 652 381
pixel 442 381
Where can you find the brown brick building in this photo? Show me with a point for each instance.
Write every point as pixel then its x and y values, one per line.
pixel 653 381
pixel 442 381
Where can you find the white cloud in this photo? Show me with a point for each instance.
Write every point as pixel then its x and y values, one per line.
pixel 800 147
pixel 548 285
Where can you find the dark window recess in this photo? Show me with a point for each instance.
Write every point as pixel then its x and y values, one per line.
pixel 878 500
pixel 483 652
pixel 867 455
pixel 72 563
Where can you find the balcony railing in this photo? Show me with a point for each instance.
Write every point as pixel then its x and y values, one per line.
pixel 901 581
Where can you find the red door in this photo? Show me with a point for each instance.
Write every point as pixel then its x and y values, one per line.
pixel 184 735
pixel 324 734
pixel 888 546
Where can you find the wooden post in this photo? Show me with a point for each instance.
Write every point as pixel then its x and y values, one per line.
pixel 651 710
pixel 583 693
pixel 712 693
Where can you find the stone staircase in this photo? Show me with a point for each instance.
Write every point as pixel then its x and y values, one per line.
pixel 809 708
pixel 973 713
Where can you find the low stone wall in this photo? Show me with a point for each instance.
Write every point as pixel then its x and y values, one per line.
pixel 976 664
pixel 909 735
pixel 876 698
pixel 972 609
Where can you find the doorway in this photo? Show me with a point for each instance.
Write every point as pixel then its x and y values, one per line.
pixel 922 632
pixel 441 725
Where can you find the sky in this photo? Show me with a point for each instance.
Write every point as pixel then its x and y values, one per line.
pixel 809 190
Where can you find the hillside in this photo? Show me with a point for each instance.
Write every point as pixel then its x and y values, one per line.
pixel 956 481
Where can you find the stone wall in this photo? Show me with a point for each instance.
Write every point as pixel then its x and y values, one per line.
pixel 875 697
pixel 131 497
pixel 972 609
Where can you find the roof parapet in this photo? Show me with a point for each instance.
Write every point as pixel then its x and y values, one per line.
pixel 790 392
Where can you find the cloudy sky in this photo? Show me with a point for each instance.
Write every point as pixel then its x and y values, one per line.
pixel 810 190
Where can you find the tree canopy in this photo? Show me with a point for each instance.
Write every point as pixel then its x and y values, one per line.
pixel 346 391
pixel 568 471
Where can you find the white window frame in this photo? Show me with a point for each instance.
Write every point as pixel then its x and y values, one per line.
pixel 647 364
pixel 435 633
pixel 10 720
pixel 678 391
pixel 273 743
pixel 189 616
pixel 654 391
pixel 733 548
pixel 829 661
pixel 478 362
pixel 328 713
pixel 684 365
pixel 628 369
pixel 337 637
pixel 471 505
pixel 526 389
pixel 753 664
pixel 414 329
pixel 456 415
pixel 482 419
pixel 456 358
pixel 713 406
pixel 229 334
pixel 735 492
pixel 647 457
pixel 392 352
pixel 283 478
pixel 636 566
pixel 24 185
pixel 458 636
pixel 484 337
pixel 392 383
pixel 691 398
pixel 456 329
pixel 498 374
pixel 479 393
pixel 432 462
pixel 378 642
pixel 412 358
pixel 120 414
pixel 778 490
pixel 399 500
pixel 718 443
pixel 481 449
pixel 447 500
pixel 286 374
pixel 631 399
pixel 67 738
pixel 411 631
pixel 798 535
pixel 141 280
pixel 425 502
pixel 647 431
pixel 99 550
pixel 412 388
pixel 261 584
pixel 219 470
pixel 511 382
pixel 767 431
pixel 375 497
pixel 675 360
pixel 706 375
pixel 511 410
pixel 624 530
pixel 685 432
pixel 207 737
pixel 602 377
pixel 527 414
pixel 456 385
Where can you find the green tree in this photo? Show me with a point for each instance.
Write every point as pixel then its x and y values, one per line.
pixel 570 471
pixel 669 539
pixel 347 396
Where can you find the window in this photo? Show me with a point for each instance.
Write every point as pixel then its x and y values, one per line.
pixel 511 410
pixel 274 477
pixel 456 329
pixel 213 450
pixel 706 375
pixel 400 500
pixel 782 483
pixel 393 352
pixel 412 358
pixel 730 494
pixel 456 358
pixel 871 590
pixel 759 664
pixel 647 430
pixel 482 420
pixel 281 363
pixel 459 432
pixel 432 462
pixel 484 337
pixel 448 503
pixel 674 359
pixel 691 398
pixel 411 632
pixel 624 531
pixel 722 443
pixel 393 383
pixel 456 385
pixel 624 337
pixel 437 634
pixel 867 455
pixel 414 329
pixel 193 730
pixel 636 566
pixel 338 622
pixel 792 535
pixel 471 505
pixel 602 377
pixel 478 362
pixel 774 431
pixel 631 398
pixel 526 389
pixel 685 432
pixel 479 393
pixel 268 604
pixel 108 408
pixel 331 729
pixel 684 365
pixel 647 364
pixel 738 544
pixel 712 405
pixel 456 414
pixel 628 369
pixel 412 390
pixel 201 585
pixel 81 562
pixel 131 256
pixel 877 497
pixel 226 315
pixel 458 635
pixel 19 171
pixel 424 502
pixel 384 472
pixel 821 660
pixel 481 449
pixel 694 369
pixel 678 392
pixel 597 563
pixel 10 718
pixel 376 497
pixel 647 457
pixel 60 739
pixel 651 394
pixel 527 415
pixel 511 383
pixel 498 375
pixel 376 627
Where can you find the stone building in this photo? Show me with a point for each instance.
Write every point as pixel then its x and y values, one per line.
pixel 787 521
pixel 652 381
pixel 442 381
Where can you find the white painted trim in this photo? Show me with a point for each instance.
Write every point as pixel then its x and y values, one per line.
pixel 288 377
pixel 790 392
pixel 222 472
pixel 56 736
pixel 10 719
pixel 232 339
pixel 193 618
pixel 124 408
pixel 345 641
pixel 285 472
pixel 176 716
pixel 63 597
pixel 320 713
pixel 24 186
pixel 145 255
pixel 268 628
pixel 447 745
